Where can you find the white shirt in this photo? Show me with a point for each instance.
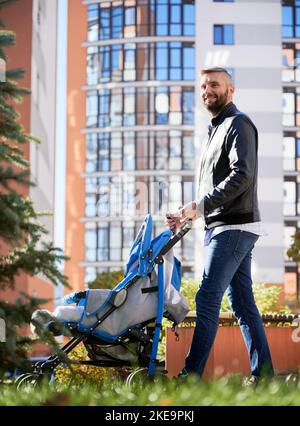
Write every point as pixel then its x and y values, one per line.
pixel 254 227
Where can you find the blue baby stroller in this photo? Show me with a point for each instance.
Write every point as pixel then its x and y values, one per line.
pixel 122 327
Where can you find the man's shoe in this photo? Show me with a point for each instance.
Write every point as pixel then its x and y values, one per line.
pixel 183 374
pixel 251 381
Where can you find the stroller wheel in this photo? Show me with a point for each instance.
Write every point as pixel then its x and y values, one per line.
pixel 140 376
pixel 21 377
pixel 28 381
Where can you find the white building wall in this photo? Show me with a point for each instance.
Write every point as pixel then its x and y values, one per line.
pixel 256 60
pixel 43 107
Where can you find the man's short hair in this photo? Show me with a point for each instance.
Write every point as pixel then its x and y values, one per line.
pixel 217 69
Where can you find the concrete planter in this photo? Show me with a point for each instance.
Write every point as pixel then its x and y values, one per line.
pixel 229 354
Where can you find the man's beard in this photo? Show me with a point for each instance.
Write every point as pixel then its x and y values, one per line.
pixel 218 104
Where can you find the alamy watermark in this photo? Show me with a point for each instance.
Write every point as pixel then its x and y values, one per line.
pixel 132 198
pixel 2 331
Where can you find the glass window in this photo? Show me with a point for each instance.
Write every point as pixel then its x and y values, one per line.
pixel 103 190
pixel 289 196
pixel 176 61
pixel 115 241
pixel 162 19
pixel 291 20
pixel 148 18
pixel 188 191
pixel 103 119
pixel 129 151
pixel 218 34
pixel 228 34
pixel 115 196
pixel 90 275
pixel 188 19
pixel 175 192
pixel 175 26
pixel 161 105
pixel 93 26
pixel 105 25
pixel 116 151
pixel 92 108
pixel 188 106
pixel 129 63
pixel 298 147
pixel 91 153
pixel 287 15
pixel 162 63
pixel 188 62
pixel 288 109
pixel 287 64
pixel 128 238
pixel 116 108
pixel 129 107
pixel 105 62
pixel 142 150
pixel 141 106
pixel 224 34
pixel 128 208
pixel 142 65
pixel 175 150
pixel 90 205
pixel 102 246
pixel 175 115
pixel 289 153
pixel 117 22
pixel 188 152
pixel 116 62
pixel 104 155
pixel 90 242
pixel 161 151
pixel 130 16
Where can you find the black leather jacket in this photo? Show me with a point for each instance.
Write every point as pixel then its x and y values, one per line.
pixel 228 170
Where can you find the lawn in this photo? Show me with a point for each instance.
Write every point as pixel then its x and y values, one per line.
pixel 227 391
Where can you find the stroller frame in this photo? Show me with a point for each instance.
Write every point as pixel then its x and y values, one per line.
pixel 46 368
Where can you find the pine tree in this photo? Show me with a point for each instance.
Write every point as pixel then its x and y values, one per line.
pixel 22 246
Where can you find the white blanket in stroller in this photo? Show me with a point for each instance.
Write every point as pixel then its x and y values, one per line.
pixel 138 308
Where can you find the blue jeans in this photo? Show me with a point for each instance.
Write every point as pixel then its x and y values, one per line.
pixel 228 267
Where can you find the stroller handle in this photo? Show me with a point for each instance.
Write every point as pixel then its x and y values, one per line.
pixel 177 237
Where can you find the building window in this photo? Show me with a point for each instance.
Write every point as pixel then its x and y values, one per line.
pixel 93 25
pixel 141 62
pixel 291 106
pixel 291 62
pixel 223 34
pixel 289 196
pixel 116 151
pixel 291 19
pixel 133 18
pixel 291 151
pixel 140 106
pixel 288 153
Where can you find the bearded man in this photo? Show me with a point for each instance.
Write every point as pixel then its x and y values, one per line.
pixel 227 201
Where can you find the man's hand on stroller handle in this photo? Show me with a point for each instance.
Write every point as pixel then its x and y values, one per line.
pixel 184 214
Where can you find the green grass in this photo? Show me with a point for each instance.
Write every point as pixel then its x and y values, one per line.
pixel 113 392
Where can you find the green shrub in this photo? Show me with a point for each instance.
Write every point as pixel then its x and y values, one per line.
pixel 80 374
pixel 107 280
pixel 267 297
